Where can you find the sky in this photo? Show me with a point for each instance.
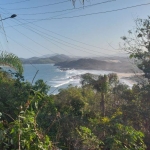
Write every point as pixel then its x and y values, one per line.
pixel 45 27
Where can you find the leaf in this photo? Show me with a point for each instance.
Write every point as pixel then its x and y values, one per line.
pixel 22 117
pixel 0 115
pixel 139 35
pixel 12 130
pixel 11 141
pixel 131 56
pixel 36 105
pixel 21 112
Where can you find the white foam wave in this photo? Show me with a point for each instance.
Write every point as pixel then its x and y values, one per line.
pixel 62 83
pixel 73 72
pixel 72 77
pixel 79 72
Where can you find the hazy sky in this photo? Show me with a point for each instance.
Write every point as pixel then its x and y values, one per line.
pixel 54 26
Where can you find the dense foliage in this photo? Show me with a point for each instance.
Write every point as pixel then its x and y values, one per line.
pixel 101 115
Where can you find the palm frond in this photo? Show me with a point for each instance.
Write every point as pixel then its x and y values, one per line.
pixel 11 60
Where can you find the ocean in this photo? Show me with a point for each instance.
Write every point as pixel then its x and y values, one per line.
pixel 56 78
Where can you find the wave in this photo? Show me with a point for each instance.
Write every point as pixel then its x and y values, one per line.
pixel 79 72
pixel 62 83
pixel 73 72
pixel 70 77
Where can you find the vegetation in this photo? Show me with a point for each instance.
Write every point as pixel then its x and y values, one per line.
pixel 102 114
pixel 9 59
pixel 138 45
pixel 96 116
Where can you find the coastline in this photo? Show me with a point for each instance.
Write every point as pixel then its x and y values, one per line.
pixel 60 79
pixel 126 78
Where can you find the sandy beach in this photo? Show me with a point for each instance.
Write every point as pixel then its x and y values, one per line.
pixel 125 77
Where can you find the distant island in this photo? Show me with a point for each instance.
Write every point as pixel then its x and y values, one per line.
pixel 64 62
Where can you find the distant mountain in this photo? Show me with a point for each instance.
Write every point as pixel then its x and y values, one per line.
pixel 116 64
pixel 46 60
pixel 47 55
pixel 93 64
pixel 60 58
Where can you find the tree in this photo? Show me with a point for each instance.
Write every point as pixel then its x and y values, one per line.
pixel 41 86
pixel 11 60
pixel 102 84
pixel 137 44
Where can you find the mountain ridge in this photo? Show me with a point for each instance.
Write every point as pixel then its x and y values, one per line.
pixel 46 60
pixel 116 64
pixel 92 64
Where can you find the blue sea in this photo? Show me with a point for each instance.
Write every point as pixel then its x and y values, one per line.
pixel 54 77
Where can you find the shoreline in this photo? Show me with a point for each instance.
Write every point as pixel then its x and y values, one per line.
pixel 126 78
pixel 99 69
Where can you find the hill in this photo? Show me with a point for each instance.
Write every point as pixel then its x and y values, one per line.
pixel 46 60
pixel 93 64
